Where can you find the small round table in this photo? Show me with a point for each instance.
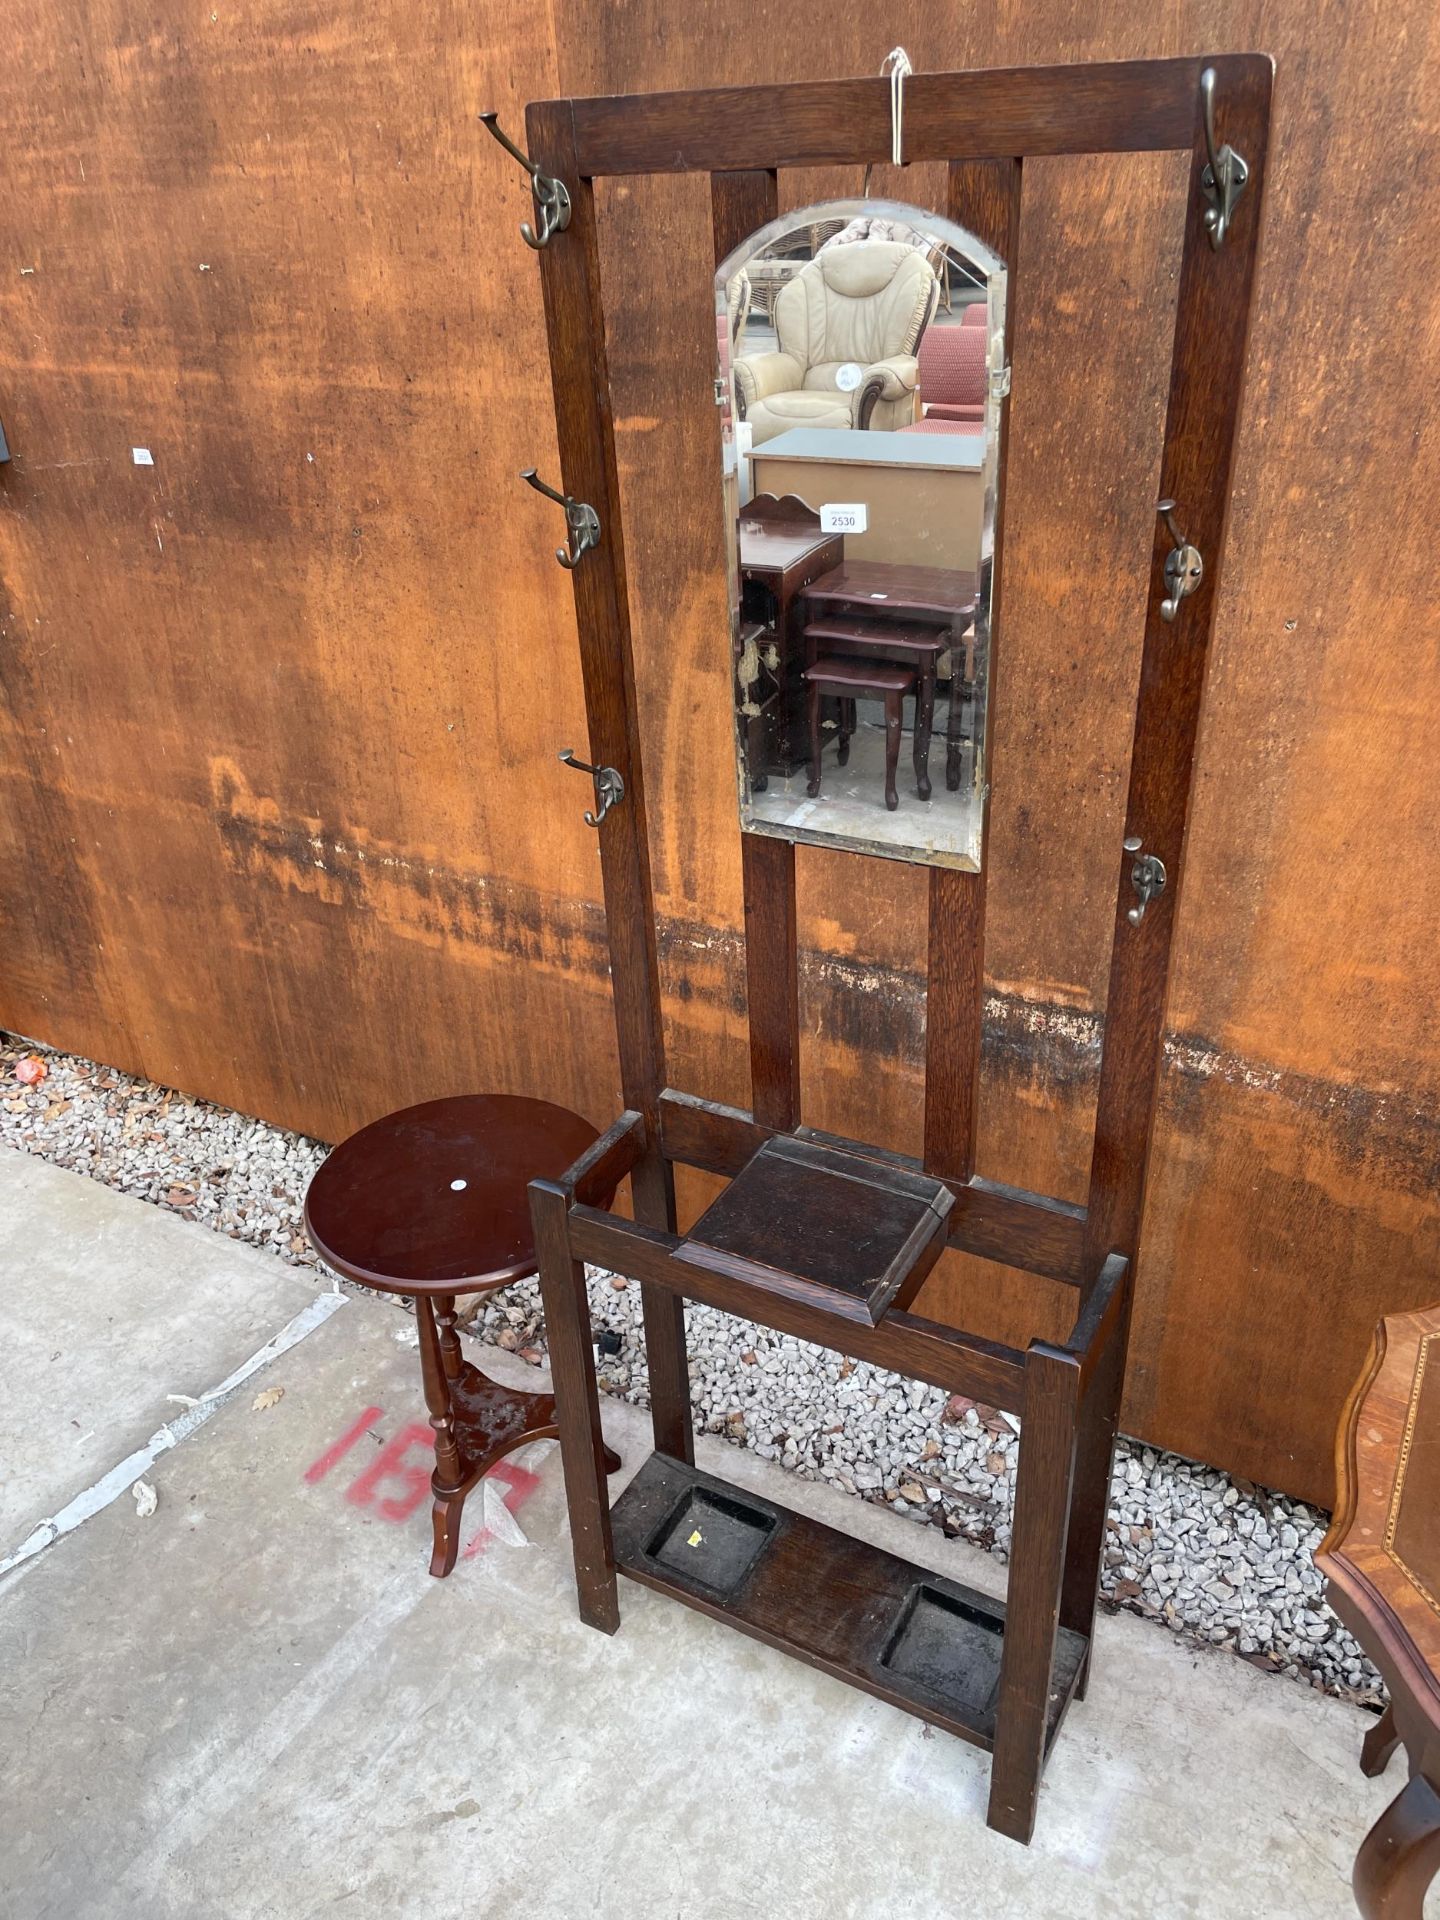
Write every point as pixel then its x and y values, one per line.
pixel 431 1202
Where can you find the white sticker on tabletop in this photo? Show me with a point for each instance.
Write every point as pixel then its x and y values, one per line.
pixel 848 376
pixel 142 456
pixel 844 519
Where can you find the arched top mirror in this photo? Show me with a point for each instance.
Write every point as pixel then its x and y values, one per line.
pixel 861 363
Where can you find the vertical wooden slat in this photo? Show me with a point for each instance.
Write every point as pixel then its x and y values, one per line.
pixel 1207 377
pixel 983 197
pixel 739 204
pixel 1032 1606
pixel 575 325
pixel 772 980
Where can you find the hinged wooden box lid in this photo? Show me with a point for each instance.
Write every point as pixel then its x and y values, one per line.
pixel 818 1224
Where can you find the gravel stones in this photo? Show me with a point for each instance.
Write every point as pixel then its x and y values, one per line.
pixel 1216 1559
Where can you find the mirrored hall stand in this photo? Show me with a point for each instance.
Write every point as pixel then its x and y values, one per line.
pixel 1000 1675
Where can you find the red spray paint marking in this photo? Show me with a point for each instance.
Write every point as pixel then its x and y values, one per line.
pixel 390 1464
pixel 394 1463
pixel 318 1469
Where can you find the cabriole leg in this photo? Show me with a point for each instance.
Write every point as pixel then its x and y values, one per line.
pixel 1400 1856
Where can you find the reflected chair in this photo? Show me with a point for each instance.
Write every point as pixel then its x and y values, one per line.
pixel 866 306
pixel 952 372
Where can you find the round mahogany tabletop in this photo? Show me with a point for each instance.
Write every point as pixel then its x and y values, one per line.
pixel 433 1199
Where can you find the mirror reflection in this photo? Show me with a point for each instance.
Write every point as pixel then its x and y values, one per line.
pixel 861 352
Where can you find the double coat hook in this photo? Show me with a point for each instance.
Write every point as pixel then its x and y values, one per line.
pixel 1225 174
pixel 609 787
pixel 1184 566
pixel 581 518
pixel 552 197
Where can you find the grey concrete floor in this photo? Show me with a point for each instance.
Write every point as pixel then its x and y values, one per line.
pixel 255 1701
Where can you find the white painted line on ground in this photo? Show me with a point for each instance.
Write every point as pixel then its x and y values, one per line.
pixel 122 1477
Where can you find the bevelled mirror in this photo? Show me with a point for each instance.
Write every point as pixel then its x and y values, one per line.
pixel 861 354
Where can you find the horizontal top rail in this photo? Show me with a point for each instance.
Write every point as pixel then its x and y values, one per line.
pixel 1123 106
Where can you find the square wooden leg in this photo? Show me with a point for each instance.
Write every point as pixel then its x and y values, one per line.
pixel 1090 1494
pixel 1032 1607
pixel 577 1407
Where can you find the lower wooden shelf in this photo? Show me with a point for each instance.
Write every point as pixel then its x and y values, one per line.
pixel 891 1628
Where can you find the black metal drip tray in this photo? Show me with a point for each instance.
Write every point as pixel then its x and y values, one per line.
pixel 710 1538
pixel 949 1647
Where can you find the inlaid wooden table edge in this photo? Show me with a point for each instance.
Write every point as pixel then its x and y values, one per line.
pixel 430 1202
pixel 1387 1445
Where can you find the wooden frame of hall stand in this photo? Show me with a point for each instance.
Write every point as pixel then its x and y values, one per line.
pixel 999 1675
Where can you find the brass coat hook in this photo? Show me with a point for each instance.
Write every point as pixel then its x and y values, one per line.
pixel 1225 172
pixel 1184 568
pixel 609 787
pixel 582 520
pixel 552 197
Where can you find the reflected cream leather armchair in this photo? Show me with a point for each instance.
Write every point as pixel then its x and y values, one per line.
pixel 863 305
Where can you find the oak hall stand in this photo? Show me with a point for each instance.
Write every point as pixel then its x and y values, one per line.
pixel 774 1247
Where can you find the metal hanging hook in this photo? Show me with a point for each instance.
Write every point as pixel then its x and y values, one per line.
pixel 582 520
pixel 1147 877
pixel 552 197
pixel 1184 568
pixel 609 787
pixel 1226 172
pixel 897 64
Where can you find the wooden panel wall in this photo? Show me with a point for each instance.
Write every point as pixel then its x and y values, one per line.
pixel 279 816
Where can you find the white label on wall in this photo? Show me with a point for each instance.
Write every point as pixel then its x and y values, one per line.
pixel 142 456
pixel 844 519
pixel 848 376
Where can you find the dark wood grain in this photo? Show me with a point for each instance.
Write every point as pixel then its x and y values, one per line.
pixel 1043 1488
pixel 577 1411
pixel 772 979
pixel 575 326
pixel 906 1343
pixel 845 1233
pixel 1125 107
pixel 1212 324
pixel 741 203
pixel 835 1602
pixel 1029 1231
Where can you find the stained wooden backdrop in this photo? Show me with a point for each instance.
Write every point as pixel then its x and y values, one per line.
pixel 280 820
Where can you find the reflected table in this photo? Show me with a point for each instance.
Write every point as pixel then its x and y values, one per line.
pixel 909 613
pixel 782 550
pixel 431 1202
pixel 1381 1558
